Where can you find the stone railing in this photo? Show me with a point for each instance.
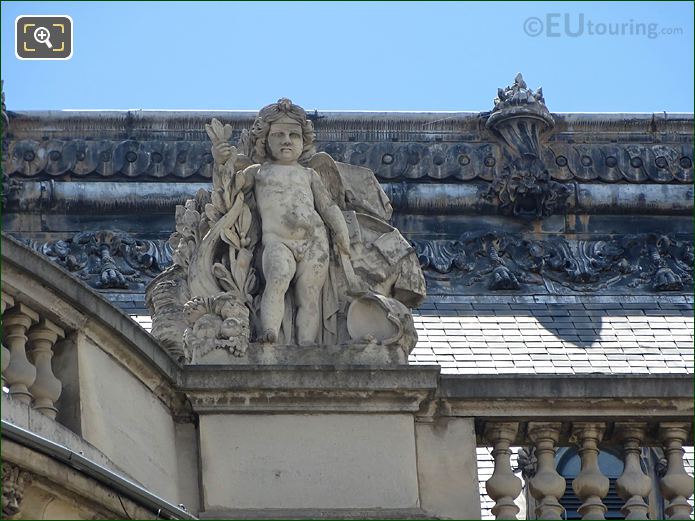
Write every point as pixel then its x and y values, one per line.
pixel 74 368
pixel 26 361
pixel 591 414
pixel 547 486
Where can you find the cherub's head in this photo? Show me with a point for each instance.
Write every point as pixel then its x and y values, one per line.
pixel 282 133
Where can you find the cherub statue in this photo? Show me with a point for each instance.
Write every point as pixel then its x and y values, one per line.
pixel 333 272
pixel 295 208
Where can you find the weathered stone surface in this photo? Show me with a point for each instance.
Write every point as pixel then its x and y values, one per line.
pixel 14 482
pixel 308 389
pixel 308 461
pixel 336 355
pixel 316 513
pixel 447 467
pixel 145 444
pixel 280 252
pixel 58 491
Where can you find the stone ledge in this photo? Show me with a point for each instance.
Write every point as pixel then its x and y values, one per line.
pixel 303 377
pixel 316 513
pixel 140 123
pixel 55 482
pixel 299 389
pixel 355 354
pixel 567 398
pixel 577 387
pixel 23 416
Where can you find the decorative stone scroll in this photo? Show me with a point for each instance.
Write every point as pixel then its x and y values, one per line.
pixel 289 248
pixel 501 261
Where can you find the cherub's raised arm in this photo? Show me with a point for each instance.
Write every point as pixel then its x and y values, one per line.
pixel 330 213
pixel 245 179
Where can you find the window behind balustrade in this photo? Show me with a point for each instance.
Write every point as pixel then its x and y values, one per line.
pixel 610 462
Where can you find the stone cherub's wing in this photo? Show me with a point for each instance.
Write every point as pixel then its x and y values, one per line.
pixel 325 167
pixel 363 193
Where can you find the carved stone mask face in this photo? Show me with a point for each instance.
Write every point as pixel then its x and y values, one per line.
pixel 285 142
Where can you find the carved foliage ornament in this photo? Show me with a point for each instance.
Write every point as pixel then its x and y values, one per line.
pixel 108 259
pixel 499 261
pixel 14 481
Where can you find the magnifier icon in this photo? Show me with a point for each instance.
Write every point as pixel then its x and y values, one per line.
pixel 43 35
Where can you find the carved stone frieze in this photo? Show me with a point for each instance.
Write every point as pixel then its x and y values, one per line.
pixel 108 259
pixel 453 161
pixel 501 261
pixel 14 481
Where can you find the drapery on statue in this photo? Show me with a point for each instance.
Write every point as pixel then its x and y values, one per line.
pixel 289 248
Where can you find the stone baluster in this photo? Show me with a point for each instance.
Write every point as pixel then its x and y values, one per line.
pixel 676 485
pixel 633 485
pixel 7 302
pixel 590 485
pixel 46 388
pixel 546 486
pixel 503 486
pixel 20 373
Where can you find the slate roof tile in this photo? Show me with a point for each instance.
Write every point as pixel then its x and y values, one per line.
pixel 595 335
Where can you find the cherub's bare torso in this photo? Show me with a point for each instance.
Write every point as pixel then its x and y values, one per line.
pixel 285 202
pixel 295 246
pixel 296 211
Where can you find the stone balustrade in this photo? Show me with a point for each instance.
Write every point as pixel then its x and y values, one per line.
pixel 591 486
pixel 27 372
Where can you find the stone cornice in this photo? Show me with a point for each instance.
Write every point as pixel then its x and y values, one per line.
pixel 359 389
pixel 189 124
pixel 410 146
pixel 568 398
pixel 464 161
pixel 569 387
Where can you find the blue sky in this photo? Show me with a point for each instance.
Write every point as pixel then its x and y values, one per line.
pixel 358 55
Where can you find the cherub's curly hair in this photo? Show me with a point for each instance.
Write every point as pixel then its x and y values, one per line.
pixel 271 113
